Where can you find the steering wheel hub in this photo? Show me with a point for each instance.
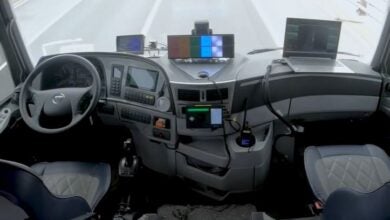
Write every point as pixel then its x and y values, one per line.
pixel 58 98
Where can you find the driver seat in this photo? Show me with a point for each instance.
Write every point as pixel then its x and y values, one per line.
pixel 57 190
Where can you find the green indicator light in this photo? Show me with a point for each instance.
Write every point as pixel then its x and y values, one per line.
pixel 198 110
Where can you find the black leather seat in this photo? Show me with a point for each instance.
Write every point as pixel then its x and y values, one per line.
pixel 58 190
pixel 349 204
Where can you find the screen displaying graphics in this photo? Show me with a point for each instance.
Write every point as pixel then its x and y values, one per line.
pixel 316 38
pixel 204 117
pixel 216 116
pixel 130 43
pixel 204 46
pixel 142 79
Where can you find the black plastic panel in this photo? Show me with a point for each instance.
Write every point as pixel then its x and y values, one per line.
pixel 291 85
pixel 188 95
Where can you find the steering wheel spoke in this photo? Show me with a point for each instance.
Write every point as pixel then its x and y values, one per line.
pixel 36 111
pixel 76 96
pixel 38 98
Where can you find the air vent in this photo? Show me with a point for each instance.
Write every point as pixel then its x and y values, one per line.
pixel 213 94
pixel 188 95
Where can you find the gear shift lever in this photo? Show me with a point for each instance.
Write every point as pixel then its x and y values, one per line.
pixel 129 164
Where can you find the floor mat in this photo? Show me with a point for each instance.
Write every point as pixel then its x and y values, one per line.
pixel 226 212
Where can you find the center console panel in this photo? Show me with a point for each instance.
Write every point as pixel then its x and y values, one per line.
pixel 138 96
pixel 199 160
pixel 168 107
pixel 190 95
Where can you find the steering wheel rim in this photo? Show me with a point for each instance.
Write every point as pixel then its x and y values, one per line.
pixel 58 101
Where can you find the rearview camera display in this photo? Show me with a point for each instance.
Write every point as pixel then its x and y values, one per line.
pixel 204 46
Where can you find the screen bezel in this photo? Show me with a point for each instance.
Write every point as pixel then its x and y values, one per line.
pixel 129 74
pixel 332 55
pixel 199 57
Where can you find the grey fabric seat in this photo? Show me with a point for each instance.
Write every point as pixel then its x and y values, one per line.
pixel 58 190
pixel 90 181
pixel 363 168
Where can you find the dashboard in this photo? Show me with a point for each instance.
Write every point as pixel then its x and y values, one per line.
pixel 146 92
pixel 207 114
pixel 182 122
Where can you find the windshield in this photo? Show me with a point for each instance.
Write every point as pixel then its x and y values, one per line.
pixel 50 26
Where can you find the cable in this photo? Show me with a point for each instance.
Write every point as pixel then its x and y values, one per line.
pixel 267 99
pixel 223 124
pixel 231 125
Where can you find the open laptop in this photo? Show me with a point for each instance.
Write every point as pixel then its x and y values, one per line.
pixel 311 45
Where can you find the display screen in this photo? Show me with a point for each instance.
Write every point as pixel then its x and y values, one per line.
pixel 117 71
pixel 306 37
pixel 204 46
pixel 142 79
pixel 130 43
pixel 204 117
pixel 216 116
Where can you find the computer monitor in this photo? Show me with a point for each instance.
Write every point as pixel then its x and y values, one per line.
pixel 311 38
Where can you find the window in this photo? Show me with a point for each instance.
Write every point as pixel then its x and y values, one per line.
pixel 59 26
pixel 7 84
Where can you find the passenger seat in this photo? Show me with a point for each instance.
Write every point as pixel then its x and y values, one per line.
pixel 363 168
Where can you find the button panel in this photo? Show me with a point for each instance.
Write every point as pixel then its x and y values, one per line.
pixel 139 97
pixel 116 79
pixel 116 86
pixel 134 115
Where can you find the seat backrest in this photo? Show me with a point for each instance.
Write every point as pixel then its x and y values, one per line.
pixel 20 185
pixel 349 204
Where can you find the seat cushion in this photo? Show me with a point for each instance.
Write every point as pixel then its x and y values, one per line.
pixel 87 180
pixel 363 168
pixel 349 204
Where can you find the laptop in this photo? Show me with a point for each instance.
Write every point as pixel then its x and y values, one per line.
pixel 311 46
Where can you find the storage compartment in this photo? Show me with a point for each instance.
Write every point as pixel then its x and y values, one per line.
pixel 204 161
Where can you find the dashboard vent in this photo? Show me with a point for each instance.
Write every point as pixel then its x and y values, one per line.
pixel 213 94
pixel 188 95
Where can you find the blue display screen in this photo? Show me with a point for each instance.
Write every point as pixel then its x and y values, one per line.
pixel 130 43
pixel 216 116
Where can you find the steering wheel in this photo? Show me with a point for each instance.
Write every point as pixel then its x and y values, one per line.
pixel 59 102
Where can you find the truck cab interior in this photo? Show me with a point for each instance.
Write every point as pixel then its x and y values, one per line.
pixel 191 124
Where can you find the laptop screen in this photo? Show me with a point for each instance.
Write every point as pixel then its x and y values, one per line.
pixel 311 38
